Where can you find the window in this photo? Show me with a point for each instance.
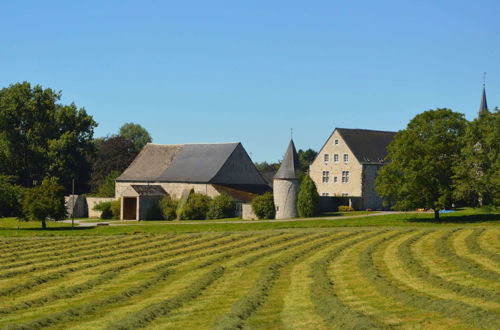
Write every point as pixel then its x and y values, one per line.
pixel 345 194
pixel 324 194
pixel 336 141
pixel 345 176
pixel 336 158
pixel 335 179
pixel 326 157
pixel 326 175
pixel 346 158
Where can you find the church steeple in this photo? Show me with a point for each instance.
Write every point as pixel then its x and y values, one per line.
pixel 290 165
pixel 483 108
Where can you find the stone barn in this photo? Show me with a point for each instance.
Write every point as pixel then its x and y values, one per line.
pixel 210 169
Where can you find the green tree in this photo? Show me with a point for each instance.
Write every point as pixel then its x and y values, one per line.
pixel 477 173
pixel 45 201
pixel 263 206
pixel 107 187
pixel 11 196
pixel 308 198
pixel 306 157
pixel 40 137
pixel 419 172
pixel 136 134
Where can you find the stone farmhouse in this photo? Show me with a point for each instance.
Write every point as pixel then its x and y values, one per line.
pixel 348 163
pixel 210 169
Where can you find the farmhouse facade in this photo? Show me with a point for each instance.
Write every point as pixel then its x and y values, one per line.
pixel 210 169
pixel 348 163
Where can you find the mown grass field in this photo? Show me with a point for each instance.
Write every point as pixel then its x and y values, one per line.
pixel 410 277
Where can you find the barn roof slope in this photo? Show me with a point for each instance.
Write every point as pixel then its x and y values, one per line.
pixel 192 163
pixel 368 146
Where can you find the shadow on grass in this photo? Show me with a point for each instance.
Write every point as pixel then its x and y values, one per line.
pixel 467 218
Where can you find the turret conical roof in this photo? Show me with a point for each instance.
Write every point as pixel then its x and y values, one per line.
pixel 483 108
pixel 290 164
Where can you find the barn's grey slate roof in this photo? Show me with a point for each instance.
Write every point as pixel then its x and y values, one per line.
pixel 483 108
pixel 222 163
pixel 149 190
pixel 368 146
pixel 290 164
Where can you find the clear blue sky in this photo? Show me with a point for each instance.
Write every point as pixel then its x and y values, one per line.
pixel 223 71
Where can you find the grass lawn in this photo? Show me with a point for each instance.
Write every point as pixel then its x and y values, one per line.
pixel 465 217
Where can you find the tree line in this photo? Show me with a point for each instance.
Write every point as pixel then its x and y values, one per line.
pixel 44 142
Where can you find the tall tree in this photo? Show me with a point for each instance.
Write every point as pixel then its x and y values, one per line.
pixel 419 173
pixel 308 198
pixel 306 157
pixel 477 173
pixel 40 137
pixel 136 134
pixel 114 153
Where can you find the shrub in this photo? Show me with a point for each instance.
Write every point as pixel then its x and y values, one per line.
pixel 45 201
pixel 196 207
pixel 221 206
pixel 263 206
pixel 105 208
pixel 345 208
pixel 308 198
pixel 107 187
pixel 11 197
pixel 116 209
pixel 168 207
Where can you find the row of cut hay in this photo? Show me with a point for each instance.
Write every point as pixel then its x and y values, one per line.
pixel 59 274
pixel 444 250
pixel 13 246
pixel 417 269
pixel 250 302
pixel 77 250
pixel 201 312
pixel 459 246
pixel 391 287
pixel 104 276
pixel 100 251
pixel 90 308
pixel 323 292
pixel 153 311
pixel 49 247
pixel 472 242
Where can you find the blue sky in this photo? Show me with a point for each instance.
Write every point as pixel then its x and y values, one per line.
pixel 223 71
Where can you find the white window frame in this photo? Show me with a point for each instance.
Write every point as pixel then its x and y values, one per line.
pixel 326 158
pixel 336 141
pixel 336 158
pixel 346 158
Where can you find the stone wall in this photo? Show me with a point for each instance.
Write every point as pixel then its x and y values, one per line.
pixel 93 201
pixel 332 188
pixel 370 197
pixel 247 212
pixel 80 206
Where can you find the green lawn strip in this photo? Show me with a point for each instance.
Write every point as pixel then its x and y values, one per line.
pixel 101 250
pixel 444 250
pixel 471 315
pixel 323 292
pixel 472 243
pixel 256 297
pixel 155 249
pixel 146 315
pixel 408 260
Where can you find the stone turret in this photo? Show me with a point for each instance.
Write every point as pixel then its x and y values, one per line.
pixel 286 185
pixel 483 108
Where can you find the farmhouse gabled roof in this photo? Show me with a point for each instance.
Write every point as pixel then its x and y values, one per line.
pixel 222 163
pixel 290 165
pixel 368 146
